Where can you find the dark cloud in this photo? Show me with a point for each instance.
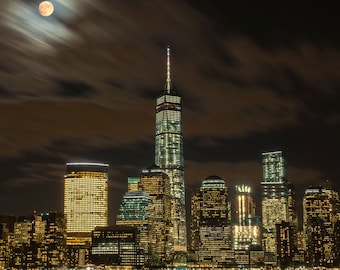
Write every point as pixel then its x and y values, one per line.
pixel 74 89
pixel 82 85
pixel 5 94
pixel 274 24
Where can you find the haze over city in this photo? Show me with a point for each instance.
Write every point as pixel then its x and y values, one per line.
pixel 81 85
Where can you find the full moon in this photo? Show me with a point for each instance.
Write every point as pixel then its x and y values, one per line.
pixel 46 8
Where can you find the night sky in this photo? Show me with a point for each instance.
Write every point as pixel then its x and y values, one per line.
pixel 81 85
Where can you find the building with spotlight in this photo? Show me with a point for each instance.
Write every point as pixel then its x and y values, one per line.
pixel 274 200
pixel 85 206
pixel 210 227
pixel 246 227
pixel 169 156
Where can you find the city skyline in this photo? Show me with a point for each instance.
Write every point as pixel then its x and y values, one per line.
pixel 81 87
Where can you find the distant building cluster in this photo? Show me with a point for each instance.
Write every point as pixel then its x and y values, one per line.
pixel 150 230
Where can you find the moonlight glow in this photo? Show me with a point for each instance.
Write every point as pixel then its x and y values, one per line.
pixel 46 8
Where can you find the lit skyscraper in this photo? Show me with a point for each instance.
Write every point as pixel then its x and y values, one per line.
pixel 286 244
pixel 246 230
pixel 85 199
pixel 210 227
pixel 169 155
pixel 274 199
pixel 157 184
pixel 137 210
pixel 133 183
pixel 245 206
pixel 320 214
pixel 292 214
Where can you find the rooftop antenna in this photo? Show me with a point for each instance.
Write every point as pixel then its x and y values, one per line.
pixel 168 80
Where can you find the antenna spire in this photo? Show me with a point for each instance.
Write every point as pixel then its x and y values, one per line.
pixel 168 80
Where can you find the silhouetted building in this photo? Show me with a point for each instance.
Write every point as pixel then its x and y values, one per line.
pixel 292 213
pixel 5 242
pixel 337 242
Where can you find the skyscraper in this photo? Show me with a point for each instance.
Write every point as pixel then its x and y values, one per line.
pixel 274 199
pixel 292 213
pixel 246 230
pixel 286 244
pixel 137 210
pixel 210 227
pixel 320 214
pixel 85 199
pixel 169 155
pixel 157 184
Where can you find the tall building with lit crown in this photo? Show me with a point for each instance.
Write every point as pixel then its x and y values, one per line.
pixel 157 184
pixel 320 214
pixel 169 155
pixel 210 227
pixel 246 230
pixel 274 199
pixel 133 183
pixel 85 200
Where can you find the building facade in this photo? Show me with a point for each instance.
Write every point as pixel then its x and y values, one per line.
pixel 246 229
pixel 85 207
pixel 320 216
pixel 137 210
pixel 169 156
pixel 286 244
pixel 157 184
pixel 210 227
pixel 274 200
pixel 116 246
pixel 36 242
pixel 85 197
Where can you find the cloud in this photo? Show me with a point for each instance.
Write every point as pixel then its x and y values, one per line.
pixel 227 78
pixel 74 89
pixel 29 32
pixel 33 124
pixel 82 84
pixel 232 172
